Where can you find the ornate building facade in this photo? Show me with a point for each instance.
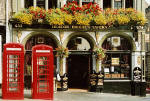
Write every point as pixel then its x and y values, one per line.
pixel 124 47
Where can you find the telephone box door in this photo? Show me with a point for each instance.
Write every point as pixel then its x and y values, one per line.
pixel 42 84
pixel 13 71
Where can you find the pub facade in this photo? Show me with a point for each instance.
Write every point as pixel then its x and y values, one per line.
pixel 121 67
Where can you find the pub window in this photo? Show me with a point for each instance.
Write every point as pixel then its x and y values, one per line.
pixel 28 3
pixel 117 4
pixel 86 1
pixel 106 4
pixel 117 63
pixel 83 1
pixel 129 3
pixel 41 3
pixel 52 3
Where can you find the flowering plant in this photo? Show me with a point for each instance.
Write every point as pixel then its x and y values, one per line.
pixel 110 16
pixel 55 17
pixel 83 19
pixel 71 8
pixel 88 14
pixel 62 52
pixel 91 8
pixel 68 18
pixel 37 12
pixel 99 52
pixel 23 18
pixel 58 17
pixel 100 19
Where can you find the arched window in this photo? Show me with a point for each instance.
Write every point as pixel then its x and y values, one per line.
pixel 117 63
pixel 78 43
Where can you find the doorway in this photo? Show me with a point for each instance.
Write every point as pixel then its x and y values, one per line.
pixel 78 71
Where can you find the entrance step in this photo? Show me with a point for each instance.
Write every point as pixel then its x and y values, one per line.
pixel 77 90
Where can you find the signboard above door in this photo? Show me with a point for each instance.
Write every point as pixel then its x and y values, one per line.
pixel 87 0
pixel 82 0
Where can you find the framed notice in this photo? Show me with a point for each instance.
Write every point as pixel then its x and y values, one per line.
pixel 115 41
pixel 115 61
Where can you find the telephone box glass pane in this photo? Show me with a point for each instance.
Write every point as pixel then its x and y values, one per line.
pixel 13 72
pixel 42 74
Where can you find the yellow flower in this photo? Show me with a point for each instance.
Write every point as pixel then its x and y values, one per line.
pixel 100 19
pixel 122 19
pixel 83 19
pixel 55 17
pixel 24 18
pixel 68 18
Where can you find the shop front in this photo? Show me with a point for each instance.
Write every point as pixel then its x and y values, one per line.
pixel 123 50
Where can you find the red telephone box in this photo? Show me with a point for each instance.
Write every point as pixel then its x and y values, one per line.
pixel 42 78
pixel 13 71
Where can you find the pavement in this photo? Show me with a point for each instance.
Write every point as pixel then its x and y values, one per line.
pixel 83 95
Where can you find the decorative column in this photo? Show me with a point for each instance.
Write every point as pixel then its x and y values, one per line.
pixel 94 62
pixel 22 3
pixel 63 83
pixel 143 53
pixel 100 3
pixel 58 3
pixel 138 4
pixel 63 2
pixel 143 6
pixel 62 66
pixel 34 3
pixel 112 4
pixel 123 3
pixel 80 3
pixel 46 4
pixel 7 21
pixel 95 1
pixel 134 4
pixel 97 78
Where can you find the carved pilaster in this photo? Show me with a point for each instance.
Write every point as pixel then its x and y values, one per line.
pixel 19 36
pixel 97 35
pixel 61 35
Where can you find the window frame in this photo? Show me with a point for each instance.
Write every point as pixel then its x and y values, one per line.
pixel 118 2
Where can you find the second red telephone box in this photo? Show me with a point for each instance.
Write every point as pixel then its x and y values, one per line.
pixel 42 78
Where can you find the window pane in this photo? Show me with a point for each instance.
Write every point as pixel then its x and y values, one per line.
pixel 106 4
pixel 129 3
pixel 117 63
pixel 28 3
pixel 118 4
pixel 41 3
pixel 52 3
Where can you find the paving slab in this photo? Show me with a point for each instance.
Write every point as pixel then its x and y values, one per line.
pixel 84 95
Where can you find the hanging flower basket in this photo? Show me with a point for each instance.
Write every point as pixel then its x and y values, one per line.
pixel 62 52
pixel 100 53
